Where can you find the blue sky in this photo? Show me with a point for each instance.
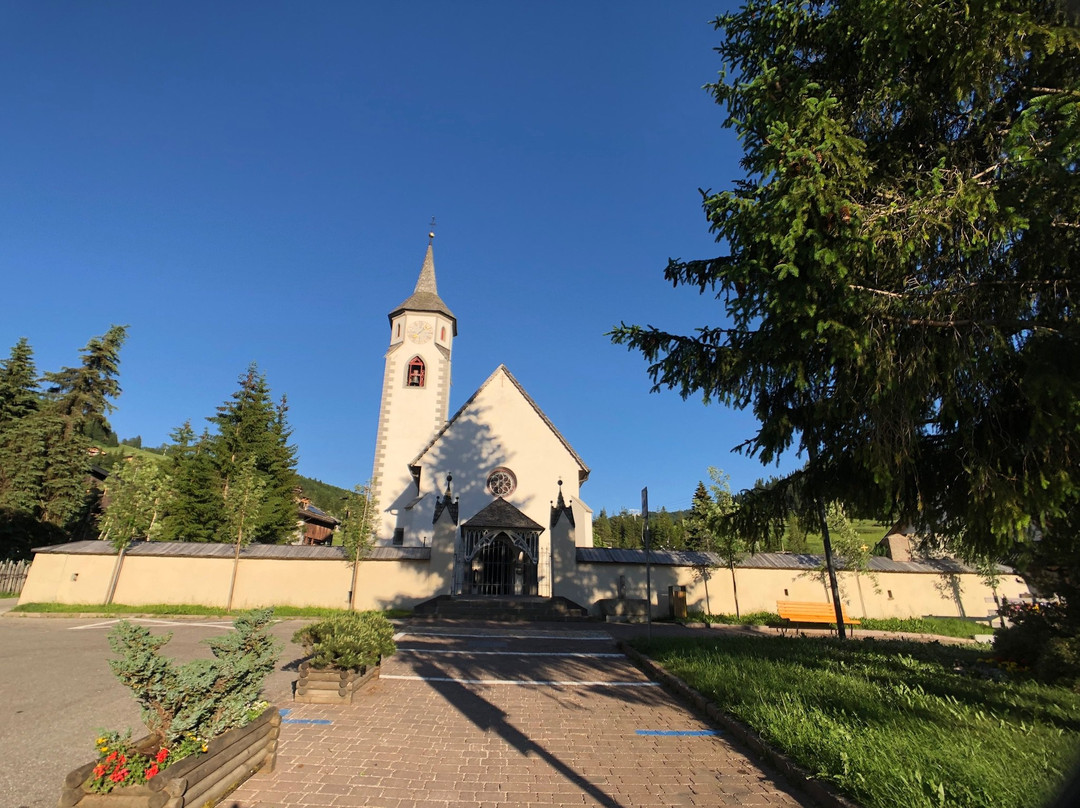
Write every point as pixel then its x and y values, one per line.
pixel 248 181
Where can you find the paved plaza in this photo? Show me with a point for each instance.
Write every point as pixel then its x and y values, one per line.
pixel 505 715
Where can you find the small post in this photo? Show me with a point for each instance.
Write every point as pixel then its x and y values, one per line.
pixel 648 561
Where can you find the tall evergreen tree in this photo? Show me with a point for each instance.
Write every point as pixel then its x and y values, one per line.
pixel 18 385
pixel 899 278
pixel 195 511
pixel 43 441
pixel 602 530
pixel 698 532
pixel 251 427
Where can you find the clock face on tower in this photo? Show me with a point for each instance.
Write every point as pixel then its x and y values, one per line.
pixel 420 332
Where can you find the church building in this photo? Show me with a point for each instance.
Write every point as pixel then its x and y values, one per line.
pixel 490 481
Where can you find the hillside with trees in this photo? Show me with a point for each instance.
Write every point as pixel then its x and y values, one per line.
pixel 65 476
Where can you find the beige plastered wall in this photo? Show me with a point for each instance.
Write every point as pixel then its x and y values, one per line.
pixel 259 582
pixel 63 578
pixel 892 594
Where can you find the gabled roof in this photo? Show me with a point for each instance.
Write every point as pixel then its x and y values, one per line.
pixel 501 513
pixel 583 470
pixel 425 296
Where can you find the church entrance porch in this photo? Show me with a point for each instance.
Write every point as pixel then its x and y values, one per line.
pixel 498 554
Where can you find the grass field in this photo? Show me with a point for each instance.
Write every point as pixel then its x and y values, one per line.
pixel 176 609
pixel 941 626
pixel 891 723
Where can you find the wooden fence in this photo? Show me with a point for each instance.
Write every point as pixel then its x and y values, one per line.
pixel 13 576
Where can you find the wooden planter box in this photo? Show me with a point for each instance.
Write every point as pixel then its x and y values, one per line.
pixel 330 686
pixel 199 780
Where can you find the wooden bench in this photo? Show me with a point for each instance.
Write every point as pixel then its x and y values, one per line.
pixel 795 611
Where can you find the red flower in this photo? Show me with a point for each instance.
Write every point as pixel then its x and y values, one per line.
pixel 118 775
pixel 99 770
pixel 111 757
pixel 161 755
pixel 123 759
pixel 151 771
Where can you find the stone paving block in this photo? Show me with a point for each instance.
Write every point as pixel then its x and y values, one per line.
pixel 413 743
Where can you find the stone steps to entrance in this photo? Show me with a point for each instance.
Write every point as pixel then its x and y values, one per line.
pixel 502 608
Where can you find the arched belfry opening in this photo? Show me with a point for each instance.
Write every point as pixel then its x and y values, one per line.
pixel 498 555
pixel 415 375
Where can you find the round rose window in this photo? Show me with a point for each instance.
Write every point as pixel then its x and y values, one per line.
pixel 502 482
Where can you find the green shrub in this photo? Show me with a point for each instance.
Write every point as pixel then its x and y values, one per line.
pixel 749 619
pixel 204 697
pixel 1043 638
pixel 353 641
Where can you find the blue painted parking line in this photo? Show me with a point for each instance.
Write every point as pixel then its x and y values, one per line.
pixel 677 732
pixel 284 712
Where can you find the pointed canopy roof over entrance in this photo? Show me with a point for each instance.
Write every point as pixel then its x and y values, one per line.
pixel 501 514
pixel 425 296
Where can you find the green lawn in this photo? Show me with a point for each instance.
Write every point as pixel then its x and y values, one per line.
pixel 941 626
pixel 890 723
pixel 167 608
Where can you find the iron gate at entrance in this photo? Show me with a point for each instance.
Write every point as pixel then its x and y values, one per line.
pixel 502 569
pixel 499 563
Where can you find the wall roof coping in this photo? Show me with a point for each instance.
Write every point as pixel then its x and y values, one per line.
pixel 781 561
pixel 189 549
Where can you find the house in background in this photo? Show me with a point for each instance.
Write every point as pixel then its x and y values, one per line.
pixel 314 526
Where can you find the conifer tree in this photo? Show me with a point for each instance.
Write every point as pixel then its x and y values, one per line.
pixel 602 530
pixel 195 511
pixel 18 385
pixel 897 283
pixel 697 523
pixel 251 427
pixel 44 451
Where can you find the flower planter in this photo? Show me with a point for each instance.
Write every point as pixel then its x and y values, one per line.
pixel 199 780
pixel 331 685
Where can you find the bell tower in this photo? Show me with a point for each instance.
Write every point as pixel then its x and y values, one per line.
pixel 415 401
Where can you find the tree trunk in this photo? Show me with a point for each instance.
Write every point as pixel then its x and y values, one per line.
pixel 834 587
pixel 734 591
pixel 235 567
pixel 115 576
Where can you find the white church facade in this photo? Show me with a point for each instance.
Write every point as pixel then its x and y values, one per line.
pixel 487 478
pixel 484 503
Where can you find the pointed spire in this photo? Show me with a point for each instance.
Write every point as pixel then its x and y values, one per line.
pixel 445 504
pixel 426 282
pixel 425 296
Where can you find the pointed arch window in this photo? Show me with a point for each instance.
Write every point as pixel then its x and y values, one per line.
pixel 416 373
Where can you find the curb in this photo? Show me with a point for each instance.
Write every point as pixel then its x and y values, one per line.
pixel 107 616
pixel 820 792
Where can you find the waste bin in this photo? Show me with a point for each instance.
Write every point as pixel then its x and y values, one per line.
pixel 677 601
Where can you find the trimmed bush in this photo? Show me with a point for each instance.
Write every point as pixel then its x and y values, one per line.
pixel 354 641
pixel 204 697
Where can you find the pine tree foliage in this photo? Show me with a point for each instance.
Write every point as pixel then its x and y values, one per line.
pixel 896 288
pixel 252 429
pixel 19 394
pixel 195 510
pixel 44 441
pixel 202 697
pixel 697 524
